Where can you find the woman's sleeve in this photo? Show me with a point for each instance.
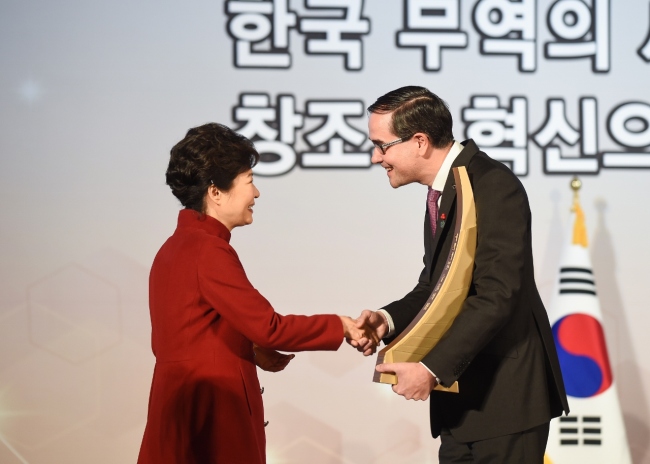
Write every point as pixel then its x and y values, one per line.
pixel 224 285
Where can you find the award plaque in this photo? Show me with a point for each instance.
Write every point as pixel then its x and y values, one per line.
pixel 448 295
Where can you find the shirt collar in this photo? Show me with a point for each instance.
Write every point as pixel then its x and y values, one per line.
pixel 189 218
pixel 443 173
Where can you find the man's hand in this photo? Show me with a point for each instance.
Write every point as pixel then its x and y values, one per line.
pixel 375 323
pixel 414 381
pixel 271 360
pixel 354 332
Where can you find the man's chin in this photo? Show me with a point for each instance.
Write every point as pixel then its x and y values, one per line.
pixel 395 180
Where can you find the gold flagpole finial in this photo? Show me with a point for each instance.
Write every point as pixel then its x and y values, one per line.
pixel 579 227
pixel 576 184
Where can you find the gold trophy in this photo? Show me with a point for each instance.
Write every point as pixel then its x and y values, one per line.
pixel 449 293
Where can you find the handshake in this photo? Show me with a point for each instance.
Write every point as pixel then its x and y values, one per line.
pixel 365 332
pixel 415 382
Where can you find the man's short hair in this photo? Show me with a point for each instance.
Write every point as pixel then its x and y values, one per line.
pixel 417 109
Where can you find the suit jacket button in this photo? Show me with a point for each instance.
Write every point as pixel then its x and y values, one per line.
pixel 261 390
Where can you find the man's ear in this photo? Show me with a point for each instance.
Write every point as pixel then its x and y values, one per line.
pixel 422 140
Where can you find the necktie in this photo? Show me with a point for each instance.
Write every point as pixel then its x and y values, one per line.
pixel 432 204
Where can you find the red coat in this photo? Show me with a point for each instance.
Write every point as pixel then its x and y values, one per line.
pixel 205 404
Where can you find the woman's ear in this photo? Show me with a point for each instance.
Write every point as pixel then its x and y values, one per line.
pixel 213 198
pixel 214 193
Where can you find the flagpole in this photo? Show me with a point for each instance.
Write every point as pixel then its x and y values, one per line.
pixel 594 432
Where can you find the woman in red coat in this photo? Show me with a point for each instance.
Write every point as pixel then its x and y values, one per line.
pixel 209 324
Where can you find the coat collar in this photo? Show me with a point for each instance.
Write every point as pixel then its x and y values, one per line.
pixel 449 193
pixel 463 158
pixel 190 219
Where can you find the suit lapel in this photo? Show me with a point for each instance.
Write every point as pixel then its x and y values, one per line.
pixel 449 196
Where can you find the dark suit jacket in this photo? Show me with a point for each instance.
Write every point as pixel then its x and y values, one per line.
pixel 500 347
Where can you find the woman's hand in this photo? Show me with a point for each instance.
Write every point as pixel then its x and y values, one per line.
pixel 271 360
pixel 354 333
pixel 373 323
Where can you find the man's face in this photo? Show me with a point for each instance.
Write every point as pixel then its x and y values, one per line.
pixel 399 160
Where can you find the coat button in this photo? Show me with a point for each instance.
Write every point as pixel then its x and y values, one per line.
pixel 266 423
pixel 261 390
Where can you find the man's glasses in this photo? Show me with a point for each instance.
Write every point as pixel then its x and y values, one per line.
pixel 382 148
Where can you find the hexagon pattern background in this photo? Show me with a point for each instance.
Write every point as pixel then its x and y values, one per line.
pixel 76 392
pixel 75 370
pixel 74 314
pixel 67 371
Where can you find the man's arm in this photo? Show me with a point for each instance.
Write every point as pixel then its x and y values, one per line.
pixel 404 310
pixel 400 313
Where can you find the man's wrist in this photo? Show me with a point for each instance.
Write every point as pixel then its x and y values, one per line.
pixel 390 327
pixel 431 372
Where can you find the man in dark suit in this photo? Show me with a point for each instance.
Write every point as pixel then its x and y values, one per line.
pixel 500 347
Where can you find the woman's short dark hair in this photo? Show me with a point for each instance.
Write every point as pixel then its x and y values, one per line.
pixel 208 154
pixel 417 109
